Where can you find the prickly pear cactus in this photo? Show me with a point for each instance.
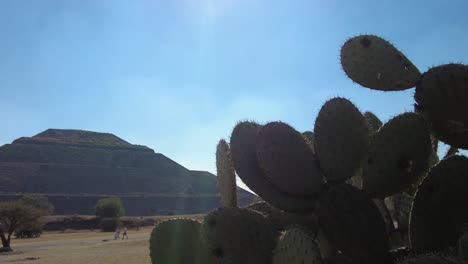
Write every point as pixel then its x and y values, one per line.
pixel 296 246
pixel 237 235
pixel 244 139
pixel 374 63
pixel 439 207
pixel 281 220
pixel 373 122
pixel 397 156
pixel 287 161
pixel 341 139
pixel 226 176
pixel 352 223
pixel 441 97
pixel 178 241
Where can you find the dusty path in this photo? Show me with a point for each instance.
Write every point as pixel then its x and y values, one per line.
pixel 82 247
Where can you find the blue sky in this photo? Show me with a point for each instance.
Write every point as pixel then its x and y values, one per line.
pixel 177 75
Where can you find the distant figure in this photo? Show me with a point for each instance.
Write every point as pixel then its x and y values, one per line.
pixel 117 234
pixel 124 233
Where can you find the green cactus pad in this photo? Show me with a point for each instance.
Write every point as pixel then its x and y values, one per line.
pixel 441 97
pixel 376 64
pixel 237 235
pixel 296 246
pixel 341 139
pixel 430 258
pixel 397 156
pixel 243 144
pixel 373 122
pixel 352 223
pixel 226 178
pixel 178 241
pixel 440 206
pixel 287 161
pixel 281 220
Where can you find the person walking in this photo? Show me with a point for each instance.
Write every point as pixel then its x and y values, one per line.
pixel 124 233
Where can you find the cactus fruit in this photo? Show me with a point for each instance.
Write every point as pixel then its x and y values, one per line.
pixel 373 122
pixel 429 258
pixel 341 139
pixel 178 241
pixel 397 156
pixel 287 161
pixel 296 246
pixel 352 223
pixel 243 144
pixel 439 207
pixel 376 64
pixel 237 235
pixel 226 176
pixel 441 97
pixel 281 220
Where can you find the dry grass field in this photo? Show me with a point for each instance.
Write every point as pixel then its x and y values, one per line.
pixel 85 247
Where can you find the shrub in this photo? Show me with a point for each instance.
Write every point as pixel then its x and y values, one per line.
pixel 30 230
pixel 110 207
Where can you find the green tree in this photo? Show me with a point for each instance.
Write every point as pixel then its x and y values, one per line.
pixel 38 201
pixel 110 207
pixel 13 216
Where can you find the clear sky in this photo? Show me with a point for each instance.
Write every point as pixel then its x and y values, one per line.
pixel 176 75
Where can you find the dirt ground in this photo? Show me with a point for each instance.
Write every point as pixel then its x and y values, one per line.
pixel 81 247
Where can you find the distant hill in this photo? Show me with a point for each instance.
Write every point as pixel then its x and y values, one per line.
pixel 75 168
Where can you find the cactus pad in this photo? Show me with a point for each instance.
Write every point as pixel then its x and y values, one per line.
pixel 373 122
pixel 281 220
pixel 375 63
pixel 296 246
pixel 399 206
pixel 226 176
pixel 341 139
pixel 178 241
pixel 398 155
pixel 439 207
pixel 237 235
pixel 441 97
pixel 243 144
pixel 352 223
pixel 287 160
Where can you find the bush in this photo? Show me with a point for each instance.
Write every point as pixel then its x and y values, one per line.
pixel 110 224
pixel 30 230
pixel 110 207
